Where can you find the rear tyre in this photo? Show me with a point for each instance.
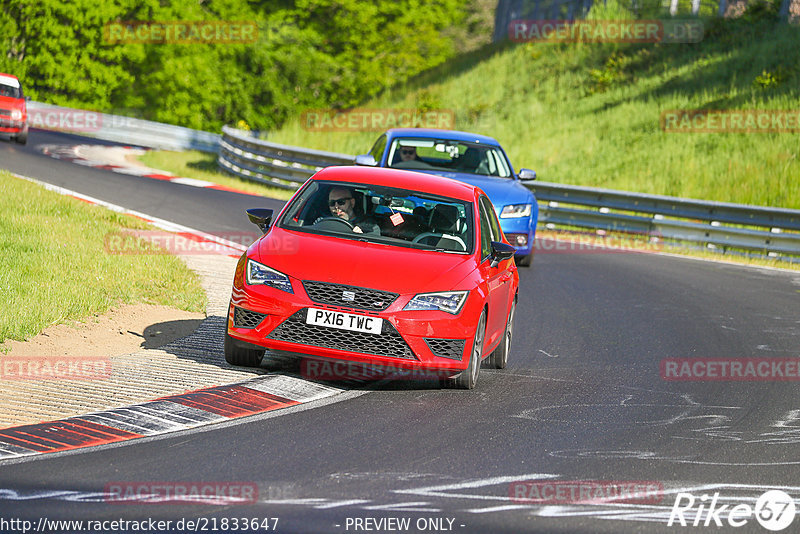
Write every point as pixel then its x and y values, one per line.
pixel 469 376
pixel 498 359
pixel 235 354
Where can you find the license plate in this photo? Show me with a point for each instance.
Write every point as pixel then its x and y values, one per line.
pixel 344 321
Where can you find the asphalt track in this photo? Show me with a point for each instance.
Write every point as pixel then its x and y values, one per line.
pixel 582 399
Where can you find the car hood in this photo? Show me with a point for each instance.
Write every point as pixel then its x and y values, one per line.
pixel 501 191
pixel 12 103
pixel 344 261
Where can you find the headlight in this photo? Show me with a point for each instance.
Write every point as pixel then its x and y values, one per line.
pixel 448 301
pixel 16 114
pixel 258 274
pixel 515 210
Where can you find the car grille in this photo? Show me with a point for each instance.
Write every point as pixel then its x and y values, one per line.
pixel 5 112
pixel 388 343
pixel 246 319
pixel 349 296
pixel 446 348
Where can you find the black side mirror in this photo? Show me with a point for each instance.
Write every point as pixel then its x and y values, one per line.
pixel 261 217
pixel 501 252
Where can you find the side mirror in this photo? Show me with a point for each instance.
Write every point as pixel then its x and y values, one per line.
pixel 366 160
pixel 261 217
pixel 27 99
pixel 501 252
pixel 526 174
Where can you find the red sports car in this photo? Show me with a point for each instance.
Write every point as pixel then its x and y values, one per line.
pixel 378 266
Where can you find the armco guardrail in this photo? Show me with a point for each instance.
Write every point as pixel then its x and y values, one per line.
pixel 771 231
pixel 755 228
pixel 119 128
pixel 270 163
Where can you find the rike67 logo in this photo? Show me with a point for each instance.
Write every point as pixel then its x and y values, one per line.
pixel 774 510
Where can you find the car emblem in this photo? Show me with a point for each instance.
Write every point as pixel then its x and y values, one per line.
pixel 348 296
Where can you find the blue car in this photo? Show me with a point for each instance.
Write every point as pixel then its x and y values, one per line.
pixel 471 158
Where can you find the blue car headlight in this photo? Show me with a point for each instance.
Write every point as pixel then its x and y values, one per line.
pixel 515 210
pixel 258 274
pixel 446 301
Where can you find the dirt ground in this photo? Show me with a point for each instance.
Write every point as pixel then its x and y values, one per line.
pixel 121 330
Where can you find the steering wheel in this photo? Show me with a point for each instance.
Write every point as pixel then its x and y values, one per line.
pixel 330 223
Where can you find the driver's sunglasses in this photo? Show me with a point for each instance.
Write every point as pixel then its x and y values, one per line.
pixel 408 152
pixel 339 202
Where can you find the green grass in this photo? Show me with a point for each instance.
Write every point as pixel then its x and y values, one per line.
pixel 203 166
pixel 588 114
pixel 54 268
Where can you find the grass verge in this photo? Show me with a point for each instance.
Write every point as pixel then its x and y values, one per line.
pixel 589 114
pixel 54 267
pixel 203 166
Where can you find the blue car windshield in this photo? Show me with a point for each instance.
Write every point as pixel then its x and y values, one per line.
pixel 447 155
pixel 385 215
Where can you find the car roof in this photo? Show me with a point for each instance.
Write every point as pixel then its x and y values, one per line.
pixel 415 181
pixel 9 79
pixel 429 133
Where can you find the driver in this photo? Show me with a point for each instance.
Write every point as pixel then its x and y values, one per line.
pixel 342 204
pixel 408 153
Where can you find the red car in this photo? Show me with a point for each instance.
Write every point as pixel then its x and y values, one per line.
pixel 13 111
pixel 378 266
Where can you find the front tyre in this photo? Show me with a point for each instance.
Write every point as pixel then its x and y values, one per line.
pixel 524 261
pixel 498 359
pixel 469 376
pixel 238 355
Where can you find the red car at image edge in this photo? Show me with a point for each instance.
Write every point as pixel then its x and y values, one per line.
pixel 417 275
pixel 13 110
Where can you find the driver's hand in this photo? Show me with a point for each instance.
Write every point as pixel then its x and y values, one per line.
pixel 358 230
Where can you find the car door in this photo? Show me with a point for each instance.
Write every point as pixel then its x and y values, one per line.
pixel 498 278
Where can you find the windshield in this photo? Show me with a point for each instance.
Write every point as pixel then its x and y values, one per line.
pixel 9 91
pixel 447 155
pixel 389 216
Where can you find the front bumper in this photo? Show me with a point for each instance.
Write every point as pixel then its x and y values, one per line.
pixel 416 340
pixel 517 229
pixel 10 126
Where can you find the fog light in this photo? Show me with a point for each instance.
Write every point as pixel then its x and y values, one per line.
pixel 518 240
